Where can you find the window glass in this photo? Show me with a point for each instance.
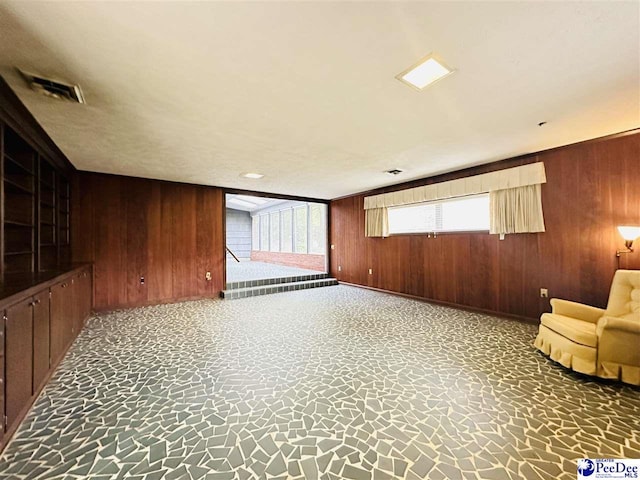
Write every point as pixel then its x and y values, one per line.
pixel 300 229
pixel 264 232
pixel 317 228
pixel 468 214
pixel 255 233
pixel 286 232
pixel 464 214
pixel 275 231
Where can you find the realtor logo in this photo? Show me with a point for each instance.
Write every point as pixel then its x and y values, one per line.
pixel 586 467
pixel 608 468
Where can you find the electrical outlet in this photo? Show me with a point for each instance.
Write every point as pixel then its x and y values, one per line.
pixel 370 271
pixel 207 276
pixel 544 293
pixel 339 268
pixel 141 280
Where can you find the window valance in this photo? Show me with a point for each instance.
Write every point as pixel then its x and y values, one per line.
pixel 531 174
pixel 515 196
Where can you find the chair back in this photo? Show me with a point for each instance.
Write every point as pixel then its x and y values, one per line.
pixel 624 298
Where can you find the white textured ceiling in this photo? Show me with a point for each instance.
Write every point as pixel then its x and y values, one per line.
pixel 305 92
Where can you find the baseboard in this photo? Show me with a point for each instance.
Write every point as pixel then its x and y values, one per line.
pixel 167 301
pixel 457 306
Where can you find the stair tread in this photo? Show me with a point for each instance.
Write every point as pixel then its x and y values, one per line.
pixel 265 282
pixel 276 285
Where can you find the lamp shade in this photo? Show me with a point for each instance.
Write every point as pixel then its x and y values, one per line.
pixel 629 232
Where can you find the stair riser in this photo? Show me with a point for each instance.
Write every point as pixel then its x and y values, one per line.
pixel 273 281
pixel 290 287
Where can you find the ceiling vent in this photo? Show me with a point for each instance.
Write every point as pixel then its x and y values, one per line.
pixel 54 88
pixel 395 171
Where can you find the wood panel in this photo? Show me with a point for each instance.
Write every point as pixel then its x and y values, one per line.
pixel 171 234
pixel 591 188
pixel 40 339
pixel 19 360
pixel 60 320
pixel 2 376
pixel 39 330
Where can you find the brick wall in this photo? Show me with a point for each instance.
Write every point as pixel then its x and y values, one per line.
pixel 299 260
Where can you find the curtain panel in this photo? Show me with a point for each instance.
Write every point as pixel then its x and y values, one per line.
pixel 376 222
pixel 516 202
pixel 516 210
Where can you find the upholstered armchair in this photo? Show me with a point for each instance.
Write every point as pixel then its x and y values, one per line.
pixel 593 341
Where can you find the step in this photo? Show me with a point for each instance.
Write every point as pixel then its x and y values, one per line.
pixel 277 288
pixel 273 281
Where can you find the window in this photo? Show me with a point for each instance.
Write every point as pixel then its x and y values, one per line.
pixel 317 228
pixel 466 214
pixel 275 231
pixel 255 233
pixel 264 232
pixel 300 229
pixel 286 232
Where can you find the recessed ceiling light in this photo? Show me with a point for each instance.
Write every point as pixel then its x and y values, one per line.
pixel 424 73
pixel 252 175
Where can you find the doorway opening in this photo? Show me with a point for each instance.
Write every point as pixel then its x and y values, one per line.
pixel 271 238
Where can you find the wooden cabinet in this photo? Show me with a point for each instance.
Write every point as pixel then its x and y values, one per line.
pixel 37 329
pixel 61 319
pixel 2 362
pixel 18 361
pixel 41 339
pixel 82 290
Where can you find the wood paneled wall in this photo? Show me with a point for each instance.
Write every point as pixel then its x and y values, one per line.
pixel 591 188
pixel 171 234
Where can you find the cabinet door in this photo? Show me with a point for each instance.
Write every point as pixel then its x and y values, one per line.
pixel 2 374
pixel 19 360
pixel 60 320
pixel 40 339
pixel 86 294
pixel 76 294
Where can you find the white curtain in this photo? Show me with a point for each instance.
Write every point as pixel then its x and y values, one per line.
pixel 515 193
pixel 376 222
pixel 516 210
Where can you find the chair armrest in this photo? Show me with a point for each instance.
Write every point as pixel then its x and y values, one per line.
pixel 620 324
pixel 618 352
pixel 576 310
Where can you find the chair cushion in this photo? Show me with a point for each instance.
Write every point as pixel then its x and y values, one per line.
pixel 624 297
pixel 577 331
pixel 634 316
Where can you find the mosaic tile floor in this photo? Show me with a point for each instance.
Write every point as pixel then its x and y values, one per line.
pixel 330 383
pixel 248 270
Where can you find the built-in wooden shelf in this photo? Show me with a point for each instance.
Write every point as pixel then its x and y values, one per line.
pixel 15 187
pixel 35 214
pixel 26 252
pixel 16 223
pixel 16 163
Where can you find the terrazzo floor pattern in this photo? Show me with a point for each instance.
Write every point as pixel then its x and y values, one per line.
pixel 250 270
pixel 330 383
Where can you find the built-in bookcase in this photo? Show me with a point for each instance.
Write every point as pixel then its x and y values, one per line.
pixel 19 182
pixel 64 219
pixel 35 217
pixel 48 233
